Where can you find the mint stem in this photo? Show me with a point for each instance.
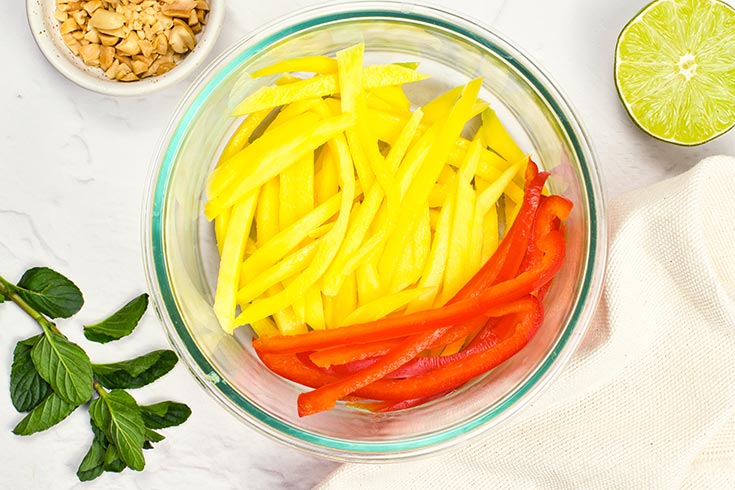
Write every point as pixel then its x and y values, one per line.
pixel 7 290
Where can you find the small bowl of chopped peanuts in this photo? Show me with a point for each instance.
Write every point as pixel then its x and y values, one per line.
pixel 125 47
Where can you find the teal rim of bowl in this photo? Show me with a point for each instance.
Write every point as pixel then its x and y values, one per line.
pixel 202 362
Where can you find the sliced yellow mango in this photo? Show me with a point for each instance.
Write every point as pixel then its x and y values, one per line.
pixel 382 307
pixel 265 328
pixel 314 309
pixel 296 191
pixel 231 260
pixel 345 301
pixel 285 269
pixel 275 249
pixel 255 173
pixel 240 138
pixel 326 251
pixel 497 137
pixel 266 214
pixel 322 86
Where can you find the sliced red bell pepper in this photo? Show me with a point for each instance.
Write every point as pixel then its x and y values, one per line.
pixel 344 354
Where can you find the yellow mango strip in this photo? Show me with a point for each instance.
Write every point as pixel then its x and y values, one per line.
pixel 436 109
pixel 345 301
pixel 329 302
pixel 374 102
pixel 434 217
pixel 288 267
pixel 490 235
pixel 433 276
pixel 299 308
pixel 230 170
pixel 497 137
pixel 409 269
pixel 292 110
pixel 511 209
pixel 253 174
pixel 250 247
pixel 371 204
pixel 328 245
pixel 241 137
pixel 289 323
pixel 321 231
pixel 275 249
pixel 265 328
pixel 381 307
pixel 310 64
pixel 231 261
pixel 350 73
pixel 490 195
pixel 314 309
pixel 459 266
pixel 220 228
pixel 266 213
pixel 368 283
pixel 394 96
pixel 418 193
pixel 438 195
pixel 322 86
pixel 296 191
pixel 286 79
pixel 326 178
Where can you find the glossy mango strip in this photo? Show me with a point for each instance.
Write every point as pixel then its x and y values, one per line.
pixel 371 204
pixel 418 193
pixel 326 251
pixel 394 96
pixel 220 228
pixel 310 64
pixel 266 212
pixel 368 283
pixel 410 267
pixel 490 235
pixel 381 307
pixel 265 327
pixel 322 86
pixel 254 173
pixel 231 260
pixel 327 176
pixel 286 268
pixel 350 74
pixel 229 170
pixel 433 275
pixel 240 138
pixel 459 263
pixel 287 240
pixel 296 191
pixel 497 137
pixel 314 309
pixel 345 301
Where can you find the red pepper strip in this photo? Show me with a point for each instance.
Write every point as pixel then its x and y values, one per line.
pixel 445 378
pixel 522 227
pixel 552 211
pixel 350 353
pixel 325 397
pixel 500 300
pixel 456 332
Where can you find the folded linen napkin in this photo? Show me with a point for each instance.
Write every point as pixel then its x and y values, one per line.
pixel 648 400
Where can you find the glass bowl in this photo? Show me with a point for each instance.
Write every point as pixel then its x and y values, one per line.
pixel 181 257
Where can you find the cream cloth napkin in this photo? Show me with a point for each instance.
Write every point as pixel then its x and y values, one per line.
pixel 648 400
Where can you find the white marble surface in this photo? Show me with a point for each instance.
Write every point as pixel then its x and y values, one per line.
pixel 72 171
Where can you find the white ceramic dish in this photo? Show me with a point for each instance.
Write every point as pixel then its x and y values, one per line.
pixel 45 30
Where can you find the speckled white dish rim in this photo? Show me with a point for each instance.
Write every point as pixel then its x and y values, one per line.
pixel 45 30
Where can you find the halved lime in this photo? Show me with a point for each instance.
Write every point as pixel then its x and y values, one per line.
pixel 675 70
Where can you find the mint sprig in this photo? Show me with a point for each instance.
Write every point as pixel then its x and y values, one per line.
pixel 51 376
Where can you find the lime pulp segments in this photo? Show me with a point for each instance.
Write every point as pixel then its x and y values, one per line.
pixel 675 70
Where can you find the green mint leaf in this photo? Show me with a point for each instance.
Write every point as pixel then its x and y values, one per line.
pixel 135 372
pixel 65 366
pixel 117 414
pixel 50 293
pixel 92 464
pixel 164 414
pixel 113 462
pixel 52 410
pixel 27 387
pixel 119 324
pixel 2 298
pixel 153 436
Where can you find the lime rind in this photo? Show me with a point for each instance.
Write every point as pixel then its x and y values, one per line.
pixel 675 70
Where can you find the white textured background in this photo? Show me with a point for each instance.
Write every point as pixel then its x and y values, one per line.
pixel 72 170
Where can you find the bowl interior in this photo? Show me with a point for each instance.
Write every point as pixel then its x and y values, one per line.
pixel 185 260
